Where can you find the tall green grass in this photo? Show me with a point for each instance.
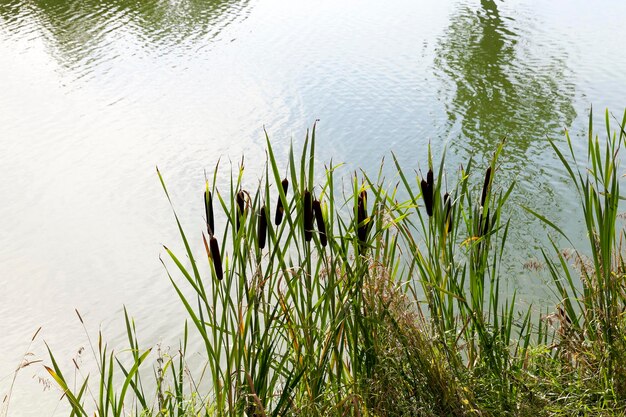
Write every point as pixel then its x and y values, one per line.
pixel 591 281
pixel 323 303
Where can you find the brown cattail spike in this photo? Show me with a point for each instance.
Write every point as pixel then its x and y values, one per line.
pixel 362 216
pixel 486 185
pixel 208 208
pixel 217 259
pixel 308 216
pixel 241 200
pixel 279 204
pixel 319 219
pixel 262 232
pixel 447 210
pixel 427 192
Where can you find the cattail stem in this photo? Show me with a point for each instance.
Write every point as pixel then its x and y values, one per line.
pixel 279 204
pixel 262 230
pixel 217 259
pixel 308 216
pixel 319 219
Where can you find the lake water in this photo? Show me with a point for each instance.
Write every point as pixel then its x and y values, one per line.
pixel 95 94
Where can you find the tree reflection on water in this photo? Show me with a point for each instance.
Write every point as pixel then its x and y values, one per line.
pixel 79 33
pixel 502 83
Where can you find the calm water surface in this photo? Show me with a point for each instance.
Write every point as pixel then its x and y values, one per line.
pixel 95 94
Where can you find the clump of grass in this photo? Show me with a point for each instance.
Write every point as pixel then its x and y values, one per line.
pixel 591 340
pixel 383 310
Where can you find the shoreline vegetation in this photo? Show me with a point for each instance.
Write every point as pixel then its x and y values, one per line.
pixel 318 303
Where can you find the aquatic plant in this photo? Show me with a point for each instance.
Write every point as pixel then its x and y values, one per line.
pixel 379 309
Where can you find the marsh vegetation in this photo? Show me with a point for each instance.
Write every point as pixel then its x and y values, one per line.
pixel 381 298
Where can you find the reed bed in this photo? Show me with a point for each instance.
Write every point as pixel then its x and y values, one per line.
pixel 372 304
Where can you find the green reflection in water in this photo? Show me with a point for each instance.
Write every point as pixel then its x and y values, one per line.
pixel 503 83
pixel 503 78
pixel 82 32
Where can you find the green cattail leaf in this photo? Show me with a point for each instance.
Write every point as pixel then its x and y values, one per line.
pixel 447 210
pixel 484 225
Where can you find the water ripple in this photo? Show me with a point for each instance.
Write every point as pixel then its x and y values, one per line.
pixel 85 35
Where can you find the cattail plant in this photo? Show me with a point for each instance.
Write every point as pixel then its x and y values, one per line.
pixel 208 208
pixel 241 199
pixel 308 216
pixel 362 216
pixel 484 219
pixel 279 204
pixel 298 334
pixel 428 186
pixel 262 229
pixel 319 219
pixel 486 185
pixel 217 259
